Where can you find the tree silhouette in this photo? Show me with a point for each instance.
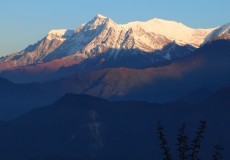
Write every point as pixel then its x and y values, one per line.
pixel 187 150
pixel 196 142
pixel 182 145
pixel 164 143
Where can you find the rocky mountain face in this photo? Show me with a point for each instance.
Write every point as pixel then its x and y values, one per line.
pixel 35 54
pixel 103 43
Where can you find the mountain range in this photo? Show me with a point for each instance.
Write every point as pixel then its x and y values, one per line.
pixel 101 43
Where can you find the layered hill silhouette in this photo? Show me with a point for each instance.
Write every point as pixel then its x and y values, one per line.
pixel 207 67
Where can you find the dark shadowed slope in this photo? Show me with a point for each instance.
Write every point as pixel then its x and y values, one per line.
pixel 207 67
pixel 85 127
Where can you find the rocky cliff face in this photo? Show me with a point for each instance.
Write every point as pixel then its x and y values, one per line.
pixel 35 54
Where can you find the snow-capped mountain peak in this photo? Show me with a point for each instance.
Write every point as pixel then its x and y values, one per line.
pixel 174 31
pixel 97 21
pixel 101 16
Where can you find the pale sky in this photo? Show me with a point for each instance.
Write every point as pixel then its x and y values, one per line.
pixel 25 22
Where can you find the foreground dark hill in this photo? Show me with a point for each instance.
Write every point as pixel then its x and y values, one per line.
pixel 16 99
pixel 85 127
pixel 207 67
